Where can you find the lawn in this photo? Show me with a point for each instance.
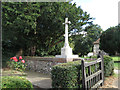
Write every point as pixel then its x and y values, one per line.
pixel 116 58
pixel 116 65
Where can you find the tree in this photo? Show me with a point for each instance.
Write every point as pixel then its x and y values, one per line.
pixel 18 25
pixel 84 43
pixel 37 24
pixel 110 40
pixel 51 33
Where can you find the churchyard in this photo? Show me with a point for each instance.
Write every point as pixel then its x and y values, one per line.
pixel 47 50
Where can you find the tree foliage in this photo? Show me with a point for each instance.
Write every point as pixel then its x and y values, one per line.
pixel 110 40
pixel 27 24
pixel 84 42
pixel 18 25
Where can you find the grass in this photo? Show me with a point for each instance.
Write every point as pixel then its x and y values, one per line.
pixel 117 66
pixel 10 72
pixel 49 56
pixel 116 58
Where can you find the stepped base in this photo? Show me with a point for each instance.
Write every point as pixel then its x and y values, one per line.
pixel 66 52
pixel 68 56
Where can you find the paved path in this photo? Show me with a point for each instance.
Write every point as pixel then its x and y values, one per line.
pixel 112 81
pixel 116 83
pixel 39 80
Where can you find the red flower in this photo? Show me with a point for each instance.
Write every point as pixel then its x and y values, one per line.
pixel 23 61
pixel 15 59
pixel 11 58
pixel 20 57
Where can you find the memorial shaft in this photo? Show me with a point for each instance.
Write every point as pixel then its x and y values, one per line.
pixel 66 32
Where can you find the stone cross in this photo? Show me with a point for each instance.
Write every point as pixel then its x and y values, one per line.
pixel 66 51
pixel 66 32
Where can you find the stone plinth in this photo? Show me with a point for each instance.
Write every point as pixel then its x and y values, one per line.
pixel 66 52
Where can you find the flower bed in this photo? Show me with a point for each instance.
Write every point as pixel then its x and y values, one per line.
pixel 17 63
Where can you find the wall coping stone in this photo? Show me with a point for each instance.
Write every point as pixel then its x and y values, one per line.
pixel 51 59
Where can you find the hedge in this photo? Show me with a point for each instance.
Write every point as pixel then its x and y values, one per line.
pixel 16 82
pixel 69 75
pixel 66 75
pixel 108 66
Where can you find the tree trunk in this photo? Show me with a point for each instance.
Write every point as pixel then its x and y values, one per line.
pixel 19 53
pixel 33 50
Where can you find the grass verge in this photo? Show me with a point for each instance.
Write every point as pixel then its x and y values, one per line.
pixel 116 58
pixel 117 66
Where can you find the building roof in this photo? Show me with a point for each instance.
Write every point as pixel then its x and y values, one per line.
pixel 97 42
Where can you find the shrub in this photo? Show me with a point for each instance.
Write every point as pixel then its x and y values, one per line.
pixel 108 65
pixel 66 75
pixel 16 82
pixel 95 57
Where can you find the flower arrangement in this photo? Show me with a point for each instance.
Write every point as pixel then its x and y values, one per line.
pixel 17 63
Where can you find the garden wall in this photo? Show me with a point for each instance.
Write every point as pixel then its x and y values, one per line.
pixel 44 64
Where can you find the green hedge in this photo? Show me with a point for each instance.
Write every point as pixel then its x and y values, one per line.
pixel 108 66
pixel 95 57
pixel 16 82
pixel 66 75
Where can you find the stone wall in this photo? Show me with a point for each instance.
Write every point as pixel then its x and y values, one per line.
pixel 44 64
pixel 39 66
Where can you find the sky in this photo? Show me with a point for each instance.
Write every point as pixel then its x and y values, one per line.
pixel 105 12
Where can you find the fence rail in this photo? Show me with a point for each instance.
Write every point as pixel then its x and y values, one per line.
pixel 92 78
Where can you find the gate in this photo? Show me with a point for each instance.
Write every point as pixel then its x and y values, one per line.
pixel 92 73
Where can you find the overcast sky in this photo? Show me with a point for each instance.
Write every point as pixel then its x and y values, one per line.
pixel 105 12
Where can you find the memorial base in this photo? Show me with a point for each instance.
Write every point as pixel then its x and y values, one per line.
pixel 66 52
